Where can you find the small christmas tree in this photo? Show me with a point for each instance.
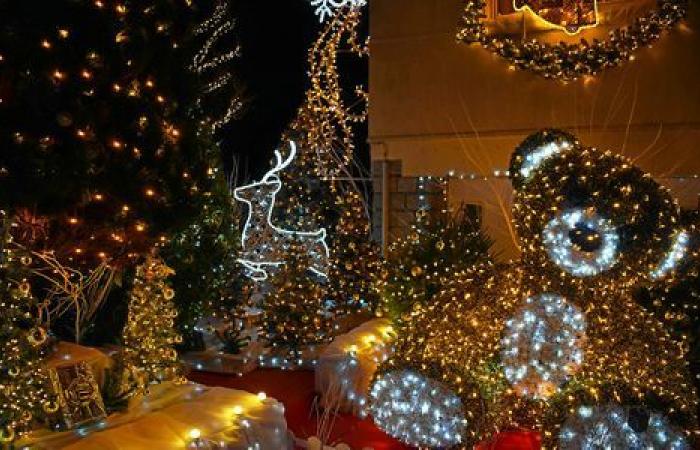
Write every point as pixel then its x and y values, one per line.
pixel 22 347
pixel 294 315
pixel 435 250
pixel 356 263
pixel 149 336
pixel 204 256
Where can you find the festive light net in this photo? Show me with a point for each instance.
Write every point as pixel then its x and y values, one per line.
pixel 542 345
pixel 418 410
pixel 615 427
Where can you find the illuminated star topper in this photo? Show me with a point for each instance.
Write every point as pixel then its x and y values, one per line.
pixel 265 245
pixel 325 9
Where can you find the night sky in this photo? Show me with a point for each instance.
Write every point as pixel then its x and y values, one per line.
pixel 275 36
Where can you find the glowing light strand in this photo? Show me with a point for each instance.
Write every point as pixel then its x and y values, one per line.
pixel 206 64
pixel 263 243
pixel 535 159
pixel 542 345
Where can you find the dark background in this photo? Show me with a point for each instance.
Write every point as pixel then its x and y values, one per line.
pixel 275 36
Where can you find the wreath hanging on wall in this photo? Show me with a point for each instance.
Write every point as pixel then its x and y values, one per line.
pixel 565 61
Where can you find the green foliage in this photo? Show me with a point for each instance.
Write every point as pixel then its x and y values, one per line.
pixel 203 254
pixel 435 250
pixel 356 263
pixel 232 340
pixel 294 313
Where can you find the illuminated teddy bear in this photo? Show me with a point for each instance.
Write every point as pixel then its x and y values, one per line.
pixel 552 342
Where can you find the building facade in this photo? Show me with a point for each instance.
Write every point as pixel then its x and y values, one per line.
pixel 443 108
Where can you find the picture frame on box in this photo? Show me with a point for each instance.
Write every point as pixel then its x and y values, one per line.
pixel 79 397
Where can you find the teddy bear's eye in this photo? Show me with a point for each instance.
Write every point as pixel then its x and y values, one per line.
pixel 582 242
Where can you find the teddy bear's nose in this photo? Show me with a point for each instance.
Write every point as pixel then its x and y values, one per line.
pixel 585 238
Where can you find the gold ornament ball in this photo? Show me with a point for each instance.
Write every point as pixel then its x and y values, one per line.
pixel 50 406
pixel 7 435
pixel 24 288
pixel 440 245
pixel 416 271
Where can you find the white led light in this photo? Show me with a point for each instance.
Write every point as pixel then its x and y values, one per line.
pixel 417 410
pixel 542 345
pixel 609 427
pixel 577 261
pixel 263 243
pixel 325 9
pixel 673 257
pixel 536 158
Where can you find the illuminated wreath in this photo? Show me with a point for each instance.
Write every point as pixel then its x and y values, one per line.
pixel 542 345
pixel 615 427
pixel 568 62
pixel 436 415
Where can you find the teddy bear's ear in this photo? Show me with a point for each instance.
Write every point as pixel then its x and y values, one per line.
pixel 535 151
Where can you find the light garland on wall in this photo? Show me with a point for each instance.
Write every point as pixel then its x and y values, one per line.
pixel 543 345
pixel 615 427
pixel 569 62
pixel 581 242
pixel 419 411
pixel 264 244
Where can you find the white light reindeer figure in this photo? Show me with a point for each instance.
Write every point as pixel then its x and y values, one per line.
pixel 264 245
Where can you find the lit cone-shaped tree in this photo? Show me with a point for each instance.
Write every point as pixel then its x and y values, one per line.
pixel 23 397
pixel 294 315
pixel 355 261
pixel 319 191
pixel 420 265
pixel 149 336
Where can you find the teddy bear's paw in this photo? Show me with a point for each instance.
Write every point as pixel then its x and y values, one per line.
pixel 417 410
pixel 618 427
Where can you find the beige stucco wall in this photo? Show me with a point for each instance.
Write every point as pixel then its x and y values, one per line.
pixel 439 105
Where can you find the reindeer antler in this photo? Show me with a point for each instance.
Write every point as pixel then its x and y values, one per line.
pixel 281 164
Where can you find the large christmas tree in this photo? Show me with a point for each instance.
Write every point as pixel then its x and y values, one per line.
pixel 101 158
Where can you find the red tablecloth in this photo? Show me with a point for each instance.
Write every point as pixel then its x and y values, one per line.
pixel 295 389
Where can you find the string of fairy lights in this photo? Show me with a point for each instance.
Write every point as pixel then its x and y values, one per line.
pixel 568 62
